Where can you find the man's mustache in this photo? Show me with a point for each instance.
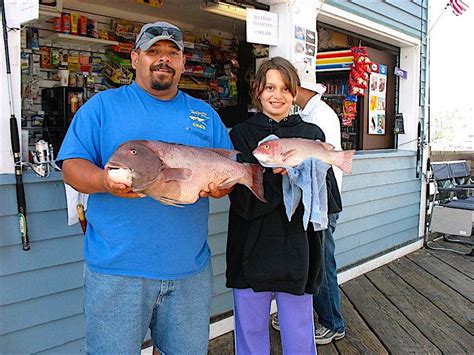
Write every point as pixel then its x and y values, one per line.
pixel 162 66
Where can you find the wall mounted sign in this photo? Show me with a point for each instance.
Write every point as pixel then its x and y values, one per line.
pixel 377 99
pixel 262 27
pixel 401 73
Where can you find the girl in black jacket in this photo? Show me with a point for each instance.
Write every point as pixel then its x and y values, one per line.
pixel 267 255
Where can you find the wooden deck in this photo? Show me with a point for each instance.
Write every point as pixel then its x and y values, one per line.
pixel 421 303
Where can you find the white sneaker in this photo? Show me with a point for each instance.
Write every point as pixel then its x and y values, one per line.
pixel 324 335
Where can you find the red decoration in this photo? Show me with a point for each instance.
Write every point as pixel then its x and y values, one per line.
pixel 360 71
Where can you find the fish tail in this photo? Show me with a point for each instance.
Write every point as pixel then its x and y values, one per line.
pixel 254 180
pixel 344 160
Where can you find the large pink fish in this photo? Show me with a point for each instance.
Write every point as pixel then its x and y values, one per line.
pixel 290 152
pixel 174 174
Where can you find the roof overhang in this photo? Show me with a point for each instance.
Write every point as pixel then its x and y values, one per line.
pixel 337 17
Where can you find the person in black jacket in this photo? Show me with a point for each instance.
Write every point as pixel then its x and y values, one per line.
pixel 267 255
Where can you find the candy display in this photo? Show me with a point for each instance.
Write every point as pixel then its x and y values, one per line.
pixel 360 71
pixel 75 24
pixel 349 110
pixel 66 23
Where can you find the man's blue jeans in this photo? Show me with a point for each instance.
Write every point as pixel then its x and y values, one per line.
pixel 119 310
pixel 327 303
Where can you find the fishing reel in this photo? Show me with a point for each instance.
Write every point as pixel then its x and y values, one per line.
pixel 43 159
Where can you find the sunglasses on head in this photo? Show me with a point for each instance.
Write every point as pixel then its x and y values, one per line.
pixel 152 32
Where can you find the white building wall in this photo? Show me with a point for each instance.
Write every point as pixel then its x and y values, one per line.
pixel 410 96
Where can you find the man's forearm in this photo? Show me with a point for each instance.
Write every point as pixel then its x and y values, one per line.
pixel 83 176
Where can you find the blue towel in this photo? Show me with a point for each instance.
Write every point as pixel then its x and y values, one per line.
pixel 308 180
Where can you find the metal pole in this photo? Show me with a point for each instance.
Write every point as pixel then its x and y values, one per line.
pixel 15 142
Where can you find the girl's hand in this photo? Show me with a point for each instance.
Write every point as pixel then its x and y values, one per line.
pixel 281 171
pixel 214 191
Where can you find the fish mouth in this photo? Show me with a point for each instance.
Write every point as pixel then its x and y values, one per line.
pixel 257 154
pixel 260 157
pixel 117 166
pixel 135 175
pixel 113 165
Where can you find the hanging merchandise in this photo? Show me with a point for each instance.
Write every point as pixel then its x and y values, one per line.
pixel 32 38
pixel 360 71
pixel 349 110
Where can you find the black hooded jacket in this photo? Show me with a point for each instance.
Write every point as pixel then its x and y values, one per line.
pixel 265 251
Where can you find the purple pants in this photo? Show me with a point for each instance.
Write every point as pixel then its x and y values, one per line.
pixel 252 315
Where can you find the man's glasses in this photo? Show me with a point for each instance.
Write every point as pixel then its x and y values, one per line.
pixel 152 32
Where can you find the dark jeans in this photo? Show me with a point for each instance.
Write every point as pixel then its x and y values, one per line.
pixel 327 303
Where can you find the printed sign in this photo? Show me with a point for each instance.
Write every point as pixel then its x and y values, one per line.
pixel 28 10
pixel 401 73
pixel 262 27
pixel 304 52
pixel 377 99
pixel 399 126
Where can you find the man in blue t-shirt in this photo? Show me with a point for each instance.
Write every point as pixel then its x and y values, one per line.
pixel 147 264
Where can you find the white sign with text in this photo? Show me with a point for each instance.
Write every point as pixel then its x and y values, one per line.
pixel 262 27
pixel 28 10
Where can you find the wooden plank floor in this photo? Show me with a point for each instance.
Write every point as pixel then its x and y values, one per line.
pixel 421 303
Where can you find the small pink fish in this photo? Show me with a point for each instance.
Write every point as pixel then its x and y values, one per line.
pixel 290 152
pixel 174 174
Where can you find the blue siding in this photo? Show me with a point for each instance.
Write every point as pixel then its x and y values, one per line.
pixel 45 336
pixel 72 347
pixel 381 206
pixel 401 15
pixel 23 286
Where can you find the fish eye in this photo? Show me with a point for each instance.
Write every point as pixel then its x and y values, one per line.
pixel 266 146
pixel 133 151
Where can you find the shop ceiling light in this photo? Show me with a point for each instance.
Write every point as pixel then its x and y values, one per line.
pixel 225 9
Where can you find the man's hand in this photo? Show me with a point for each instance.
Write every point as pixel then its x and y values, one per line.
pixel 119 189
pixel 281 171
pixel 213 191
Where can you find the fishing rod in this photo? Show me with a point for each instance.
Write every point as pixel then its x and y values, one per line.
pixel 15 141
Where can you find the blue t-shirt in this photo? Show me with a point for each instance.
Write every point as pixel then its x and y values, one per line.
pixel 142 237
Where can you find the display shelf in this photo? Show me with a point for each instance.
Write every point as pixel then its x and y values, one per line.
pixel 47 13
pixel 333 95
pixel 193 45
pixel 65 38
pixel 193 87
pixel 197 59
pixel 199 75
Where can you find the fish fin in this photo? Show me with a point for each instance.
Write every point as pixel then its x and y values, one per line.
pixel 289 154
pixel 255 181
pixel 177 174
pixel 229 182
pixel 229 154
pixel 327 146
pixel 168 201
pixel 344 160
